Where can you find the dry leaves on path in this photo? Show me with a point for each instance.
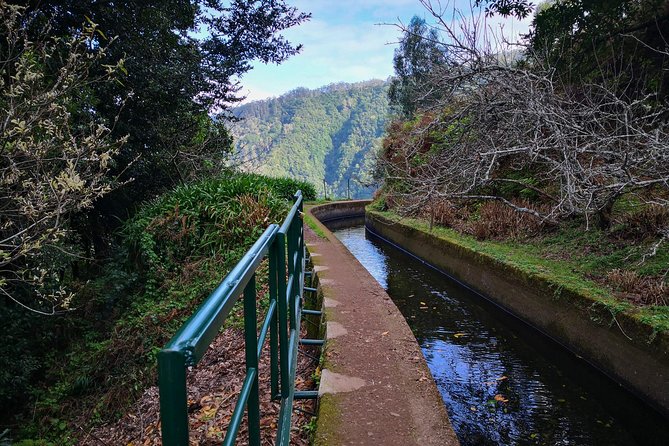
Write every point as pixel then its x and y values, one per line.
pixel 213 387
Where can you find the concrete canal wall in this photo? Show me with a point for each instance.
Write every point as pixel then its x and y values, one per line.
pixel 340 210
pixel 619 345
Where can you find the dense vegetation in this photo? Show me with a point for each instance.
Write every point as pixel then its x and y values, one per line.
pixel 560 152
pixel 175 250
pixel 104 107
pixel 315 135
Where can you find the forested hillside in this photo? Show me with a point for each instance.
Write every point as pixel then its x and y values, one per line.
pixel 315 135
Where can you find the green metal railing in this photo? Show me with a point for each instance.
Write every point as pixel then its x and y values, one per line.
pixel 284 246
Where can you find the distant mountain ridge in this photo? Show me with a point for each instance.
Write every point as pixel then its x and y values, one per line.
pixel 324 134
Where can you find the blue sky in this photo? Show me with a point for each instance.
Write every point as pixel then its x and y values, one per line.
pixel 343 41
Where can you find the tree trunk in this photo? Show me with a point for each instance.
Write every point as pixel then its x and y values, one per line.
pixel 604 216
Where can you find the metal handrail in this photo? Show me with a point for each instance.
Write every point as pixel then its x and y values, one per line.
pixel 284 247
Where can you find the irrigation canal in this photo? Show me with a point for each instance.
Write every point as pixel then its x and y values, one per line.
pixel 502 382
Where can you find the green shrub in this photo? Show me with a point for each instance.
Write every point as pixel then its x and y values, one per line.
pixel 207 218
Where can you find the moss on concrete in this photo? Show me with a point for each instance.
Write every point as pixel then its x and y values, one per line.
pixel 311 222
pixel 560 277
pixel 629 344
pixel 329 416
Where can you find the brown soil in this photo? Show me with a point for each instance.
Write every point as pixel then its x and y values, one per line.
pixel 213 388
pixel 382 391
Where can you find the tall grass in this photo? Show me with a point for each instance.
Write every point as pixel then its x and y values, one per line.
pixel 208 218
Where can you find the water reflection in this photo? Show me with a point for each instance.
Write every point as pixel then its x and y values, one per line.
pixel 502 383
pixel 366 252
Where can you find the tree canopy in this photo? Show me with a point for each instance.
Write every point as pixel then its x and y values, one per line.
pixel 505 8
pixel 184 59
pixel 619 42
pixel 149 74
pixel 419 52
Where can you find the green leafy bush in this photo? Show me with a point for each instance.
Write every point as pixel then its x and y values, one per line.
pixel 207 218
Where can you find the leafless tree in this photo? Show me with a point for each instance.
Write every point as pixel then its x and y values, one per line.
pixel 583 146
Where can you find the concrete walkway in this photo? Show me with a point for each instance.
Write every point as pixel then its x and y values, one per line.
pixel 375 386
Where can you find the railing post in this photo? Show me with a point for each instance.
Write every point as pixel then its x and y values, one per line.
pixel 251 350
pixel 173 397
pixel 300 236
pixel 283 312
pixel 292 269
pixel 295 241
pixel 273 340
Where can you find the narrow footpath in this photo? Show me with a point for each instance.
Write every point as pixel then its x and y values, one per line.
pixel 375 386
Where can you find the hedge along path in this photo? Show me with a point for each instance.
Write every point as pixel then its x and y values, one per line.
pixel 376 388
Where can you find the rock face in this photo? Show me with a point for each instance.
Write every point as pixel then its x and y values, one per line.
pixel 325 134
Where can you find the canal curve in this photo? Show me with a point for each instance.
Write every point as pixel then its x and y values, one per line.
pixel 502 382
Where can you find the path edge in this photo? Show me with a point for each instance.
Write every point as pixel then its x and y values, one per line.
pixel 329 411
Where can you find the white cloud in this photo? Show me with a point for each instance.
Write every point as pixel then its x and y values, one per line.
pixel 332 53
pixel 343 42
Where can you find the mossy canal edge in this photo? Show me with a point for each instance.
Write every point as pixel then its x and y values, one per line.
pixel 611 335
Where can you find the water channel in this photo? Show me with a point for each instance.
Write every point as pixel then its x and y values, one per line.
pixel 502 382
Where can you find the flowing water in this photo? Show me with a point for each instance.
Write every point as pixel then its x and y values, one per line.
pixel 502 382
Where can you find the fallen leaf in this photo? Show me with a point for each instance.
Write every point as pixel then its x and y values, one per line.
pixel 208 413
pixel 501 398
pixel 214 431
pixel 384 333
pixel 459 335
